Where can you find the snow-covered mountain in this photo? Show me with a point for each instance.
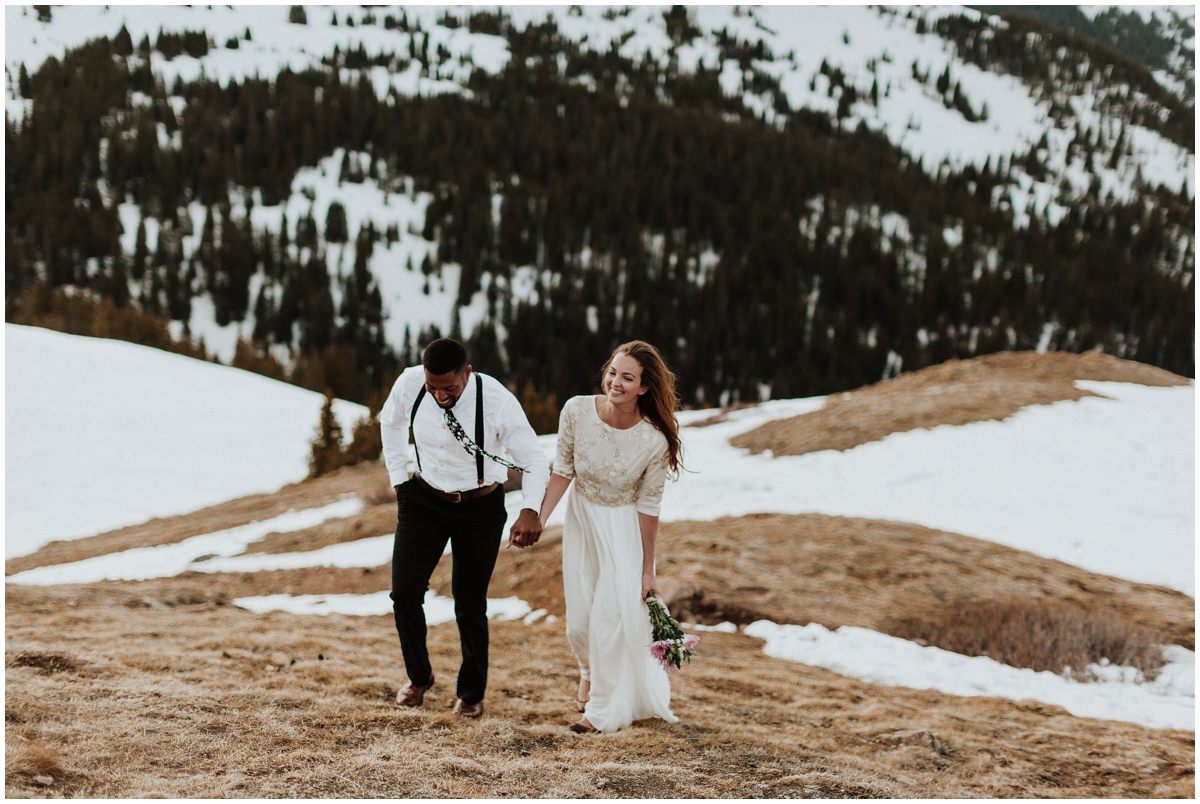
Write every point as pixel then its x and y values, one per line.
pixel 922 77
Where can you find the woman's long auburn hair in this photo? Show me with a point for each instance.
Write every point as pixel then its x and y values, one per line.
pixel 660 401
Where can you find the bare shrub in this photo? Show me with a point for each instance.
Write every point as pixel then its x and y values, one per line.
pixel 540 409
pixel 722 415
pixel 31 757
pixel 1040 635
pixel 88 314
pixel 251 354
pixel 380 495
pixel 366 442
pixel 45 662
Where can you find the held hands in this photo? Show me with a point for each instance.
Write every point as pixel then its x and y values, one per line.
pixel 650 584
pixel 526 530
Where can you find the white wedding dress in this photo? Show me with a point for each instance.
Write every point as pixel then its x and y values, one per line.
pixel 617 473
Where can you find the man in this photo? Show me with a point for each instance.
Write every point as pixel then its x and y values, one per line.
pixel 457 494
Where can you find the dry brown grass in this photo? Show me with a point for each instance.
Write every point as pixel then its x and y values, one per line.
pixel 956 392
pixel 203 701
pixel 870 573
pixel 373 520
pixel 787 568
pixel 1047 635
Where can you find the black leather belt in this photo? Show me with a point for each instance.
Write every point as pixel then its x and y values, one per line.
pixel 456 496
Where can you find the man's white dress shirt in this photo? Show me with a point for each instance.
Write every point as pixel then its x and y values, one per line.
pixel 445 464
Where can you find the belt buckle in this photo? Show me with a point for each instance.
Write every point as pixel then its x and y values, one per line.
pixel 457 496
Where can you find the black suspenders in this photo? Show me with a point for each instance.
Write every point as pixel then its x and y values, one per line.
pixel 412 434
pixel 478 425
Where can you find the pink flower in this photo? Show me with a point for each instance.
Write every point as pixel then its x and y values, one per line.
pixel 659 649
pixel 689 642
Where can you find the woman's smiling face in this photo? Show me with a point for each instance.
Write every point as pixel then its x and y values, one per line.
pixel 623 381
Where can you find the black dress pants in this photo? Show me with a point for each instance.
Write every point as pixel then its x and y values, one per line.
pixel 473 527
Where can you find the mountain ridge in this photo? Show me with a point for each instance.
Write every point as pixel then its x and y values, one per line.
pixel 975 256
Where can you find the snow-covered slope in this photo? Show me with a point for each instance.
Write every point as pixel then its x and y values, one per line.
pixel 100 434
pixel 803 47
pixel 1107 484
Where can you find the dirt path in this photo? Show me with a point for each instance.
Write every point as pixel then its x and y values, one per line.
pixel 956 392
pixel 200 700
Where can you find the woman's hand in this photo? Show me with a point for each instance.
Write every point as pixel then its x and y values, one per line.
pixel 649 584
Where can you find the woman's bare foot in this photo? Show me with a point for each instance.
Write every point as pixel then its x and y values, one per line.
pixel 584 695
pixel 582 727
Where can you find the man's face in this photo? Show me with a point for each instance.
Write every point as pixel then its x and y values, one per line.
pixel 446 388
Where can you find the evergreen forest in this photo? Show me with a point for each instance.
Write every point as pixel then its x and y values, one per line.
pixel 758 252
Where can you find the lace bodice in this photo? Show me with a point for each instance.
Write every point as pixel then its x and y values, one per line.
pixel 611 467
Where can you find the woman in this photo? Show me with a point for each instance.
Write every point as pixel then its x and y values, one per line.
pixel 620 447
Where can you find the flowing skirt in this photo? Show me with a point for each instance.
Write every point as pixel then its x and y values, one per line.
pixel 608 624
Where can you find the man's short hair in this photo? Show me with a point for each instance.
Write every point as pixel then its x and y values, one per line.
pixel 444 356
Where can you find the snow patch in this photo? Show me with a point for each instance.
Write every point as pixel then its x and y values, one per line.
pixel 101 434
pixel 438 609
pixel 142 563
pixel 1168 702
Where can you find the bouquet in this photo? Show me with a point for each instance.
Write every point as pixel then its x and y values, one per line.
pixel 670 646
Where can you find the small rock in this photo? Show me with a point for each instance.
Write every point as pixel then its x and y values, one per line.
pixel 44 781
pixel 913 737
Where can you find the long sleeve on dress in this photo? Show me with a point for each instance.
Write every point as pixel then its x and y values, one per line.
pixel 650 495
pixel 564 460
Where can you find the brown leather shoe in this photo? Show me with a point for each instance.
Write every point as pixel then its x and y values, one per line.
pixel 468 710
pixel 582 727
pixel 413 695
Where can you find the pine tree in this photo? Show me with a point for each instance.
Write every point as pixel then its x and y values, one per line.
pixel 335 224
pixel 123 44
pixel 138 267
pixel 325 454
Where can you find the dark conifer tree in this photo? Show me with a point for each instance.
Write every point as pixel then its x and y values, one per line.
pixel 335 224
pixel 325 454
pixel 140 253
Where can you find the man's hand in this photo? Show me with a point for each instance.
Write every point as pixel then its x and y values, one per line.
pixel 526 530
